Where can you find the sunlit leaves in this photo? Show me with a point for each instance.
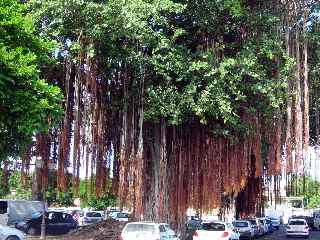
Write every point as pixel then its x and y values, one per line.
pixel 27 104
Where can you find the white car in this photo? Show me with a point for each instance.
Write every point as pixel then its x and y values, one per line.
pixel 244 228
pixel 7 233
pixel 120 216
pixel 90 217
pixel 148 231
pixel 216 230
pixel 297 227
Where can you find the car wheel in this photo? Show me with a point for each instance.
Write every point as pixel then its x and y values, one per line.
pixel 32 231
pixel 12 238
pixel 277 228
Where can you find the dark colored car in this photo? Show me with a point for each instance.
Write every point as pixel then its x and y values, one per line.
pixel 57 223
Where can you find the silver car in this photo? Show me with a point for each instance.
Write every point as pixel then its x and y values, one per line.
pixel 7 233
pixel 244 228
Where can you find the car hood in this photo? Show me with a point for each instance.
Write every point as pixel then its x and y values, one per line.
pixel 10 231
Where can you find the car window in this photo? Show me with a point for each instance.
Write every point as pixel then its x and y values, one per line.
pixel 3 207
pixel 68 218
pixel 93 214
pixel 162 228
pixel 167 227
pixel 297 222
pixel 213 226
pixel 253 222
pixel 261 221
pixel 240 224
pixel 122 215
pixel 139 227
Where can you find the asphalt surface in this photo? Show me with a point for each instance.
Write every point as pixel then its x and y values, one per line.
pixel 280 235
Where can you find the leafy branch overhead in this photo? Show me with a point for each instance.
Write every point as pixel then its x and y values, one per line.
pixel 27 103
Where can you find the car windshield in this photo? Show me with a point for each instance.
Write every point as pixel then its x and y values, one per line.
pixel 36 215
pixel 122 215
pixel 240 224
pixel 297 222
pixel 93 214
pixel 213 226
pixel 139 227
pixel 268 221
pixel 253 222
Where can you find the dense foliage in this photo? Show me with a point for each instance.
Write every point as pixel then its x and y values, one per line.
pixel 157 91
pixel 27 103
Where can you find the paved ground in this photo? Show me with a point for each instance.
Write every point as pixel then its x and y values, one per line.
pixel 280 235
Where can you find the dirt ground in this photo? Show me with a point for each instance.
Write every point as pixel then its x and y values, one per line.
pixel 105 230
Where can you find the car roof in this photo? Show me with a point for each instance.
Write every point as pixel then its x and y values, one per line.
pixel 214 221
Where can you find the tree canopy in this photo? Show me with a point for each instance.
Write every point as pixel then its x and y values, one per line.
pixel 176 103
pixel 28 104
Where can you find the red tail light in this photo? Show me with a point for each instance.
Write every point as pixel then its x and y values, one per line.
pixel 225 234
pixel 195 234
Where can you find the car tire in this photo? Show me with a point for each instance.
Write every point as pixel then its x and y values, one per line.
pixel 277 228
pixel 12 238
pixel 32 231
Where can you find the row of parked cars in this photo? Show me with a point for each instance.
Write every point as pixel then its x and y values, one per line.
pixel 61 222
pixel 239 229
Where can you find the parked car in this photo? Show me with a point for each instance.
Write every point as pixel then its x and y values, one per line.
pixel 297 227
pixel 257 227
pixel 56 223
pixel 8 233
pixel 264 225
pixel 90 217
pixel 244 228
pixel 275 222
pixel 270 226
pixel 309 220
pixel 148 231
pixel 192 224
pixel 216 230
pixel 120 216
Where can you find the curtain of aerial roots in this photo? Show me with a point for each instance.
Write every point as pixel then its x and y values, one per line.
pixel 85 125
pixel 187 167
pixel 297 117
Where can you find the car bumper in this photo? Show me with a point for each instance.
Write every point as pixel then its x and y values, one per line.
pixel 297 233
pixel 245 234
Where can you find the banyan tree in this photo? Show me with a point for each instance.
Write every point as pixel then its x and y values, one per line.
pixel 180 103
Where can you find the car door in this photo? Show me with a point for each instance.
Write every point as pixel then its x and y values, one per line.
pixel 2 235
pixel 68 223
pixel 55 224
